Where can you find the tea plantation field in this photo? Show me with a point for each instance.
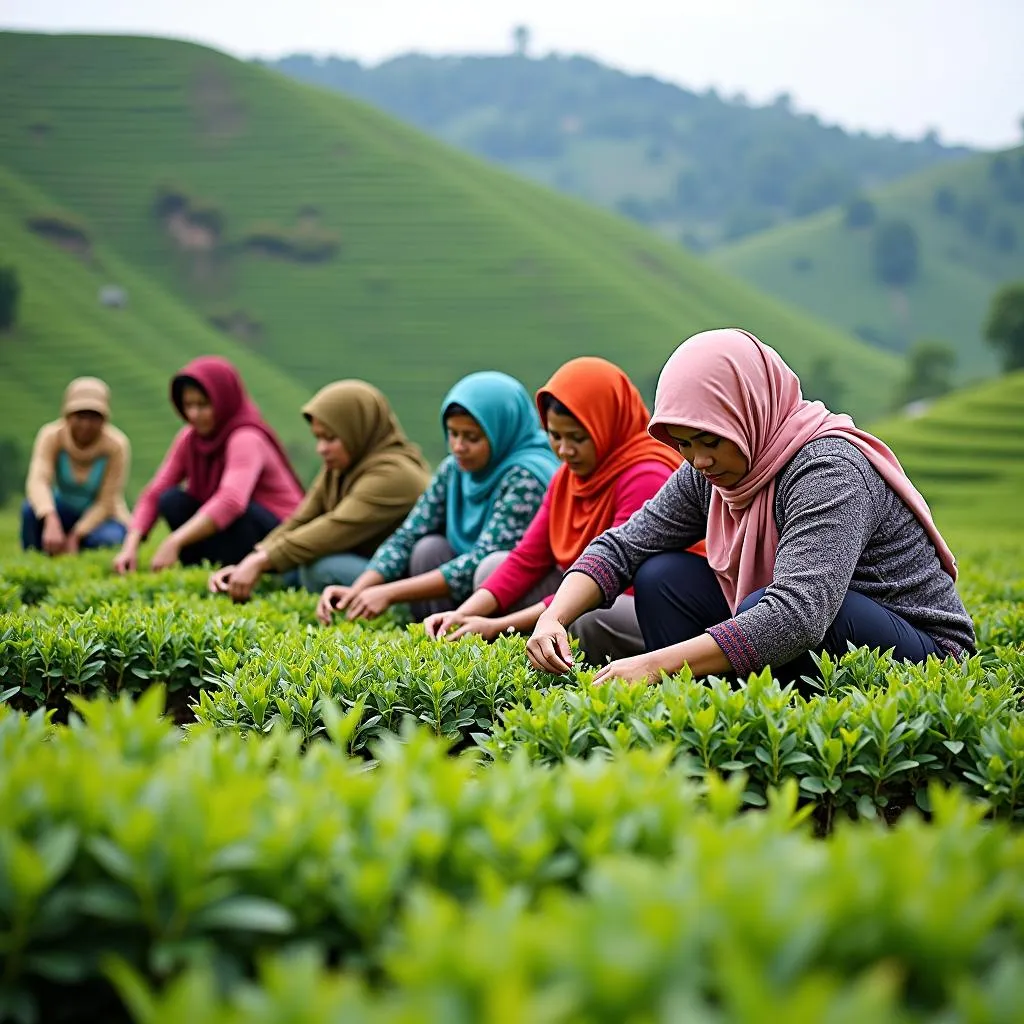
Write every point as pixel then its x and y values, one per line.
pixel 221 813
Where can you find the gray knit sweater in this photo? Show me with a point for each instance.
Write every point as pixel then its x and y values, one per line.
pixel 841 527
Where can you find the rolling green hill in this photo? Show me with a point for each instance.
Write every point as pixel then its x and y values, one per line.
pixel 969 220
pixel 63 332
pixel 335 241
pixel 966 455
pixel 696 167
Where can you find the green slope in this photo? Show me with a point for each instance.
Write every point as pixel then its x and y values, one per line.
pixel 826 267
pixel 445 265
pixel 966 455
pixel 63 331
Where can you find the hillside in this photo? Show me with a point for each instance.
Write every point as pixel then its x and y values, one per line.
pixel 966 454
pixel 697 168
pixel 969 221
pixel 63 332
pixel 335 241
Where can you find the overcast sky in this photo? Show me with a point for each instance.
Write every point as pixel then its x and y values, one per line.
pixel 884 65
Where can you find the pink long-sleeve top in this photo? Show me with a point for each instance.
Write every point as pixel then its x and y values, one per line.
pixel 253 471
pixel 532 558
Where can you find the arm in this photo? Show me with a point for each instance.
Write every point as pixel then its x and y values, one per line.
pixel 245 456
pixel 672 520
pixel 530 560
pixel 518 501
pixel 391 560
pixel 39 481
pixel 521 495
pixel 111 488
pixel 829 509
pixel 170 474
pixel 375 500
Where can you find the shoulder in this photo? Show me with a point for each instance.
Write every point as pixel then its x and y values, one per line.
pixel 519 480
pixel 48 433
pixel 116 438
pixel 649 471
pixel 833 463
pixel 249 440
pixel 827 453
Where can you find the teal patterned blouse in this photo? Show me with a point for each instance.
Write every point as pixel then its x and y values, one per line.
pixel 519 499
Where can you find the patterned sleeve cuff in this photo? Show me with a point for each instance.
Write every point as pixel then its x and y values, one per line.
pixel 736 647
pixel 600 572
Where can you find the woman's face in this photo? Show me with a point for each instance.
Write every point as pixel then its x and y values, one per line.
pixel 85 427
pixel 719 460
pixel 571 443
pixel 330 448
pixel 198 410
pixel 468 443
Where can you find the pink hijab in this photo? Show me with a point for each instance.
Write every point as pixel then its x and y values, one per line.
pixel 730 384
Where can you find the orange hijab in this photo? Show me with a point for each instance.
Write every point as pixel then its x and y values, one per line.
pixel 612 411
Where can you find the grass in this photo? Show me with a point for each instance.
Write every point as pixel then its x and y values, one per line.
pixel 445 265
pixel 966 455
pixel 958 272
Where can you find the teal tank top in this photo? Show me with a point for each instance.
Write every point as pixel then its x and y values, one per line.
pixel 76 494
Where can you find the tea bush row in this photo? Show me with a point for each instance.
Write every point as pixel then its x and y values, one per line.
pixel 872 738
pixel 598 890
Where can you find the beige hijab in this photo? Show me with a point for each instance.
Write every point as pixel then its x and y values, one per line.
pixel 362 419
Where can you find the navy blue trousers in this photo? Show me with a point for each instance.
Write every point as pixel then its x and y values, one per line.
pixel 226 547
pixel 678 597
pixel 107 535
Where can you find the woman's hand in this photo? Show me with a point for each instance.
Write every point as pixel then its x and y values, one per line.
pixel 548 649
pixel 54 538
pixel 245 577
pixel 368 603
pixel 127 559
pixel 334 598
pixel 166 555
pixel 454 625
pixel 642 668
pixel 220 579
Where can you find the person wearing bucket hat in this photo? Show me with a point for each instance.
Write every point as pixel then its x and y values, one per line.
pixel 371 477
pixel 75 484
pixel 239 482
pixel 480 500
pixel 816 537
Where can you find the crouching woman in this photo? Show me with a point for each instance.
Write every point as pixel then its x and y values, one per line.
pixel 816 537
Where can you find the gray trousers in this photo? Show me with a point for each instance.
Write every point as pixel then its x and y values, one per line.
pixel 605 634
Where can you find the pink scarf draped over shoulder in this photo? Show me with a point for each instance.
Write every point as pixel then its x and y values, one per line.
pixel 730 384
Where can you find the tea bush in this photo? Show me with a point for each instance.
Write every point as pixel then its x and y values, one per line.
pixel 450 889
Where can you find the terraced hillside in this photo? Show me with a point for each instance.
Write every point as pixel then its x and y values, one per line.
pixel 969 221
pixel 335 241
pixel 966 454
pixel 63 331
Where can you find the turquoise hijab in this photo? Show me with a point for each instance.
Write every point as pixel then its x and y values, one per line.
pixel 508 416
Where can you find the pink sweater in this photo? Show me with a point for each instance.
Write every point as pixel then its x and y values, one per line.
pixel 253 471
pixel 532 558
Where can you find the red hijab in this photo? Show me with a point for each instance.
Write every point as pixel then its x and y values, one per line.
pixel 232 409
pixel 612 411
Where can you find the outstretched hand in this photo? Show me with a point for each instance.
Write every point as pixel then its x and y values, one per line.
pixel 548 649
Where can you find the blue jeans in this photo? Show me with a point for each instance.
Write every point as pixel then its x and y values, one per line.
pixel 342 568
pixel 678 597
pixel 107 535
